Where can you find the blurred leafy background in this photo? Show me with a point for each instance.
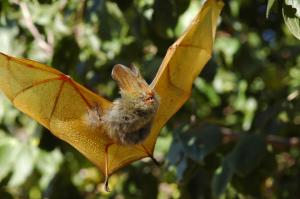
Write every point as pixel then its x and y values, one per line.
pixel 237 137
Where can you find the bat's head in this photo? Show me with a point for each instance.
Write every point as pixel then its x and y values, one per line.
pixel 133 86
pixel 130 118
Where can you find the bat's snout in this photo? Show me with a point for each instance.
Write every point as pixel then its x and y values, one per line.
pixel 150 99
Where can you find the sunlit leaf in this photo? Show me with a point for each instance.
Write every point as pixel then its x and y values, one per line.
pixel 9 150
pixel 48 164
pixel 269 7
pixel 23 165
pixel 291 15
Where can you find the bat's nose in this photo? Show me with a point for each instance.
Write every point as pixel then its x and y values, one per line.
pixel 150 97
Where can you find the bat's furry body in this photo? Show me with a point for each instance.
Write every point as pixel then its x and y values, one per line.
pixel 129 120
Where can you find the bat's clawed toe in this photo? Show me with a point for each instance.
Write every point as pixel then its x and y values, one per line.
pixel 156 162
pixel 106 187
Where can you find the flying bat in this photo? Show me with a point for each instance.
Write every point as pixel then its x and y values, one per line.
pixel 113 134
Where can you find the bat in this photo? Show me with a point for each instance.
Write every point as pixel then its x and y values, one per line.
pixel 113 134
pixel 129 119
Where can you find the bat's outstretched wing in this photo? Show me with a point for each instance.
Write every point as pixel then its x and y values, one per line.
pixel 70 111
pixel 182 64
pixel 66 108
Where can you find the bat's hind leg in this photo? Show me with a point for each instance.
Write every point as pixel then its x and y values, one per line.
pixel 106 187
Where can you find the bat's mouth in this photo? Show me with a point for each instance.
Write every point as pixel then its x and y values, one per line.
pixel 130 80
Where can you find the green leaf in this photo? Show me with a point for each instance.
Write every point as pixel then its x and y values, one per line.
pixel 198 143
pixel 245 157
pixel 48 165
pixel 9 149
pixel 23 165
pixel 221 178
pixel 228 46
pixel 291 15
pixel 208 91
pixel 269 6
pixel 186 17
pixel 177 158
pixel 247 154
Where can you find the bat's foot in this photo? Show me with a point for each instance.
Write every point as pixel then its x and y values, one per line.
pixel 155 161
pixel 151 156
pixel 106 187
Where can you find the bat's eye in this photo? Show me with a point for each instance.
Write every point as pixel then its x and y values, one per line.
pixel 149 98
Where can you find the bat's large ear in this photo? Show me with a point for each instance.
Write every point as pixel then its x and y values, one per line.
pixel 136 71
pixel 123 76
pixel 129 80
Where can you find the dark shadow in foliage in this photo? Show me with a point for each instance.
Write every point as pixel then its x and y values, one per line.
pixel 165 15
pixel 123 4
pixel 3 184
pixel 48 141
pixel 145 183
pixel 256 178
pixel 61 186
pixel 163 22
pixel 5 195
pixel 66 55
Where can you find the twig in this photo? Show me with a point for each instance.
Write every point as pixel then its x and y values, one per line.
pixel 280 142
pixel 78 28
pixel 276 141
pixel 48 48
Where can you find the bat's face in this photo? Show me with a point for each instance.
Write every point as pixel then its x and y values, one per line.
pixel 129 120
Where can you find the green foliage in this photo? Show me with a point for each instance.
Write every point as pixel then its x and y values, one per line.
pixel 269 6
pixel 291 15
pixel 237 137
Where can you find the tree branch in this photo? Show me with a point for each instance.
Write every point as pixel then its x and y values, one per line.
pixel 48 48
pixel 276 141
